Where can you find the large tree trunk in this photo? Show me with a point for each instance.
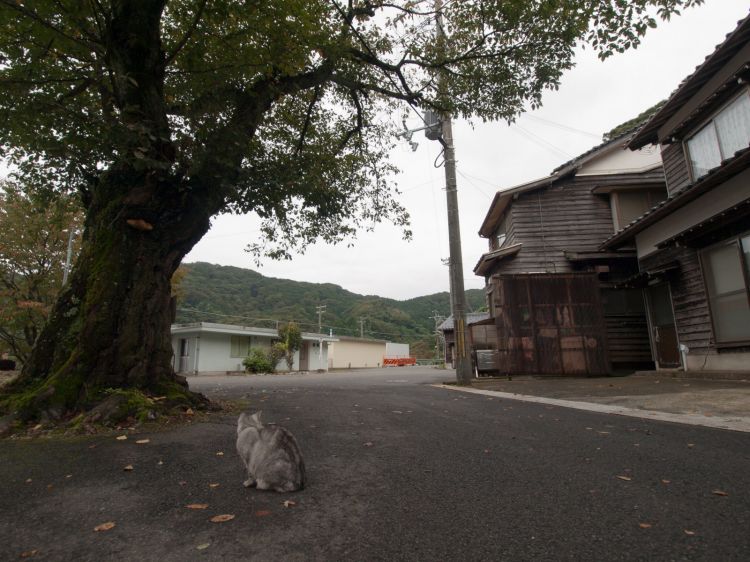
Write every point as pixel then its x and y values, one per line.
pixel 110 328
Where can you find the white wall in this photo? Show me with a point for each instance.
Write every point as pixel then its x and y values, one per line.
pixel 347 354
pixel 396 349
pixel 718 362
pixel 622 160
pixel 210 352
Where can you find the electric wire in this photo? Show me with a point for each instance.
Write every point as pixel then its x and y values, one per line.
pixel 561 126
pixel 540 141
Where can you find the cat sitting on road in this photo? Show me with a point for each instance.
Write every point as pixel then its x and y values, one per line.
pixel 270 454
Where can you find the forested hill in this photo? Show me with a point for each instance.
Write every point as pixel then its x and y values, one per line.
pixel 231 295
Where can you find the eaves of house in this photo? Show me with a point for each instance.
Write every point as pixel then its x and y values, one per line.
pixel 567 170
pixel 739 162
pixel 720 70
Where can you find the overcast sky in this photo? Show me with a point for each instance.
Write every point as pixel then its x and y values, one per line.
pixel 593 98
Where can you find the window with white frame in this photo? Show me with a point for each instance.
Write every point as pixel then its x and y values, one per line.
pixel 726 133
pixel 727 269
pixel 500 236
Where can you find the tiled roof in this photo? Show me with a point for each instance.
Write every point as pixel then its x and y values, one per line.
pixel 471 318
pixel 733 42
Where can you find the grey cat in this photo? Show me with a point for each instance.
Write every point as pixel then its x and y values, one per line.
pixel 270 454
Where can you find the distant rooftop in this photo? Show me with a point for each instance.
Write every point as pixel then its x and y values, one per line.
pixel 471 318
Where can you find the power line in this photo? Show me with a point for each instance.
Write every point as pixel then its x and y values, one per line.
pixel 561 126
pixel 540 141
pixel 471 183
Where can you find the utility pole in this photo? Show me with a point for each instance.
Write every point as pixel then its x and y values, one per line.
pixel 463 361
pixel 320 309
pixel 438 320
pixel 362 326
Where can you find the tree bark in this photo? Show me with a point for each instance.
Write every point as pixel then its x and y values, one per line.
pixel 110 328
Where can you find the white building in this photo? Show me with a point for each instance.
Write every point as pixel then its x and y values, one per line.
pixel 362 353
pixel 204 347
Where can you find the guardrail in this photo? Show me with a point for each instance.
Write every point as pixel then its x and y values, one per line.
pixel 399 361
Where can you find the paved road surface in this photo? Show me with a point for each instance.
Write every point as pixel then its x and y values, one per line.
pixel 398 470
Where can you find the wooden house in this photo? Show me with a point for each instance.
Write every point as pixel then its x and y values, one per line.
pixel 694 248
pixel 449 333
pixel 554 296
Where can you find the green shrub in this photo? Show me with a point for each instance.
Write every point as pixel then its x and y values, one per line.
pixel 258 362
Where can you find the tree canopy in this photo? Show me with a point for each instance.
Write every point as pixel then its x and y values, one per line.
pixel 160 114
pixel 33 252
pixel 277 106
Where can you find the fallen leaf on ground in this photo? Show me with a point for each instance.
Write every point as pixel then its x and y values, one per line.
pixel 189 412
pixel 603 432
pixel 183 483
pixel 644 525
pixel 400 412
pixel 689 533
pixel 29 480
pixel 368 444
pixel 143 441
pixel 160 463
pixel 92 446
pixel 486 451
pixel 262 513
pixel 128 468
pixel 220 454
pixel 29 553
pixel 691 445
pixel 159 398
pixel 665 481
pixel 105 526
pixel 203 546
pixel 121 437
pixel 222 518
pixel 50 486
pixel 626 478
pixel 289 503
pixel 68 476
pixel 719 493
pixel 214 485
pixel 197 506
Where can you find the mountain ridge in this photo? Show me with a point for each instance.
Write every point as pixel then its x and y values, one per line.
pixel 233 295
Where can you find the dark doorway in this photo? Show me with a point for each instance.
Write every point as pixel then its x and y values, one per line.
pixel 663 329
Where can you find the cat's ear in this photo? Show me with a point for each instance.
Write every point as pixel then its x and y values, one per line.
pixel 256 417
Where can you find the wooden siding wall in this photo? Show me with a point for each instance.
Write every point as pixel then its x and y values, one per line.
pixel 549 221
pixel 627 339
pixel 676 169
pixel 689 299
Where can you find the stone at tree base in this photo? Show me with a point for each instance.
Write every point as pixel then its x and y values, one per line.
pixel 110 411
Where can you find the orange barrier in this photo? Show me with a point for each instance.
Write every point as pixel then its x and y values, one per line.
pixel 399 361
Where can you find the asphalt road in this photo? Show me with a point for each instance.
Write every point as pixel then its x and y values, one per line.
pixel 397 470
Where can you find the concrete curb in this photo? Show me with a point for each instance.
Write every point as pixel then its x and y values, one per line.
pixel 730 423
